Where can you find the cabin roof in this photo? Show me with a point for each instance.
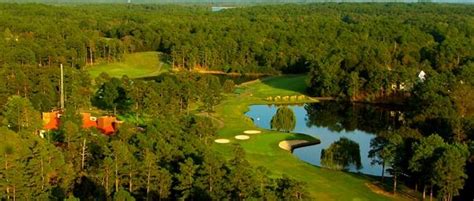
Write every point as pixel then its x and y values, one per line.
pixel 106 124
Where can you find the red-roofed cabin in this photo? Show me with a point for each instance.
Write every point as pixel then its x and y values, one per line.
pixel 51 120
pixel 106 124
pixel 88 121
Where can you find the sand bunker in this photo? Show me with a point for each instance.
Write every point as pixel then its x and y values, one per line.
pixel 242 137
pixel 222 141
pixel 252 132
pixel 290 144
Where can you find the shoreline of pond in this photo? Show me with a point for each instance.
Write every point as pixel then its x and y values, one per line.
pixel 305 151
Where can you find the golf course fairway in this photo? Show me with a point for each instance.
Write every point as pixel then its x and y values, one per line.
pixel 262 149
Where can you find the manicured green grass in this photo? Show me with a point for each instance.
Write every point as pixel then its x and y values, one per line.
pixel 136 65
pixel 279 86
pixel 262 149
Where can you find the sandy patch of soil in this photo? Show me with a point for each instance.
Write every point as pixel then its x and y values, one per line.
pixel 242 137
pixel 222 141
pixel 252 132
pixel 289 144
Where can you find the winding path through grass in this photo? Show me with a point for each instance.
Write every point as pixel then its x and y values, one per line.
pixel 263 150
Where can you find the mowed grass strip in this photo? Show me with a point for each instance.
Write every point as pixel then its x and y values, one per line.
pixel 263 150
pixel 136 65
pixel 279 86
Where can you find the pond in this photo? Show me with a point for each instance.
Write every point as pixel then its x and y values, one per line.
pixel 330 121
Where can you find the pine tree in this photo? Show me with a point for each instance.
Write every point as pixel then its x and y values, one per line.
pixel 241 176
pixel 164 183
pixel 424 158
pixel 212 174
pixel 449 170
pixel 290 189
pixel 21 115
pixel 185 177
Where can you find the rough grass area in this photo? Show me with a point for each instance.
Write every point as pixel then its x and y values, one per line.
pixel 136 65
pixel 263 150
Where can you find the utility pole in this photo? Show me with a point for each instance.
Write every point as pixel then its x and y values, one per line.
pixel 62 87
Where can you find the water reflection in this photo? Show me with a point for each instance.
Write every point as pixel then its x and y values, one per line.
pixel 331 121
pixel 339 117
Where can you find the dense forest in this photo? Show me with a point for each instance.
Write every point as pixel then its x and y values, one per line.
pixel 168 157
pixel 353 52
pixel 362 52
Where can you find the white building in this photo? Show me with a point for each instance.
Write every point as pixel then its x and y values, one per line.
pixel 422 76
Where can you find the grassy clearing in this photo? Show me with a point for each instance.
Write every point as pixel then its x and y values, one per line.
pixel 278 86
pixel 136 65
pixel 262 149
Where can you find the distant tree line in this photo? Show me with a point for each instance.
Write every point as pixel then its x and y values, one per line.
pixel 352 51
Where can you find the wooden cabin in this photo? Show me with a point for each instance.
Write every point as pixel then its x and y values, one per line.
pixel 51 120
pixel 88 121
pixel 106 124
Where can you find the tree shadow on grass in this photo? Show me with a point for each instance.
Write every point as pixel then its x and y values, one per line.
pixel 302 136
pixel 294 83
pixel 375 184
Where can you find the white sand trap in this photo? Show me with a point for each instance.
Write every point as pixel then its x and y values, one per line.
pixel 242 137
pixel 222 141
pixel 289 144
pixel 252 132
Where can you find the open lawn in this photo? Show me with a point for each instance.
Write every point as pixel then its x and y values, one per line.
pixel 262 149
pixel 136 65
pixel 277 86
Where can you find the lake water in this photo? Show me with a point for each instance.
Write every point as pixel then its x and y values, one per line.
pixel 329 121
